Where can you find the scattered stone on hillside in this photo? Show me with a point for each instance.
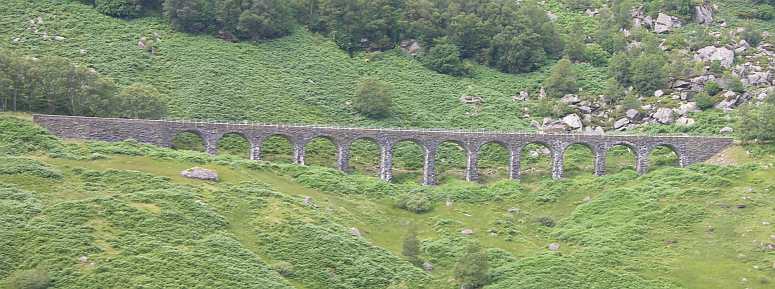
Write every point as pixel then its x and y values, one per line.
pixel 686 108
pixel 570 99
pixel 730 100
pixel 640 19
pixel 83 259
pixel 587 199
pixel 554 246
pixel 684 121
pixel 58 38
pixel 200 174
pixel 703 14
pixel 471 99
pixel 726 130
pixel 741 206
pixel 621 123
pixel 663 115
pixel 516 211
pixel 665 23
pixel 448 203
pixel 710 53
pixel 83 51
pixel 551 16
pixel 355 232
pixel 467 232
pixel 659 93
pixel 427 266
pixel 573 121
pixel 308 201
pixel 681 84
pixel 769 247
pixel 633 114
pixel 591 13
pixel 742 46
pixel 410 47
pixel 522 96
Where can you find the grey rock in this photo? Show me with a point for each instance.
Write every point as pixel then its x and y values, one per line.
pixel 514 210
pixel 684 121
pixel 200 174
pixel 726 130
pixel 703 14
pixel 572 121
pixel 410 47
pixel 355 232
pixel 663 115
pixel 467 232
pixel 570 99
pixel 427 266
pixel 664 23
pixel 686 108
pixel 621 123
pixel 710 53
pixel 633 114
pixel 659 93
pixel 554 246
pixel 758 78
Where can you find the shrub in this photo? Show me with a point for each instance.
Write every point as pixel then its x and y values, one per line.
pixel 29 279
pixel 756 122
pixel 596 55
pixel 285 269
pixel 733 83
pixel 140 101
pixel 648 73
pixel 373 98
pixel 266 19
pixel 417 202
pixel 562 80
pixel 471 270
pixel 411 248
pixel 704 100
pixel 751 35
pixel 546 222
pixel 712 88
pixel 445 58
pixel 119 8
pixel 631 101
pixel 574 50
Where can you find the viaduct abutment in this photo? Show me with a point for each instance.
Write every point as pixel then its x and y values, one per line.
pixel 689 149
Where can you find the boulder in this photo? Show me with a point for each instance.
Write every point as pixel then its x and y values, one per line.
pixel 686 108
pixel 572 121
pixel 467 232
pixel 663 115
pixel 554 246
pixel 710 53
pixel 659 93
pixel 758 78
pixel 427 266
pixel 570 99
pixel 471 99
pixel 522 96
pixel 664 23
pixel 200 174
pixel 633 114
pixel 703 14
pixel 355 232
pixel 726 130
pixel 621 123
pixel 410 47
pixel 684 121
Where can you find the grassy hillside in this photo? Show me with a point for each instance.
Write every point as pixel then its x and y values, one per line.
pixel 125 208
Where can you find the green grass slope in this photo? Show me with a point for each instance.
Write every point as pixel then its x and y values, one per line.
pixel 125 208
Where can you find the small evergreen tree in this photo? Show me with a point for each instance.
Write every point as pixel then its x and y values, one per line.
pixel 757 122
pixel 648 73
pixel 562 80
pixel 574 50
pixel 141 101
pixel 619 68
pixel 373 98
pixel 444 58
pixel 411 248
pixel 472 268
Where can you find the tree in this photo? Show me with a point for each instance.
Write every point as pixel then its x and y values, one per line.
pixel 648 73
pixel 614 90
pixel 190 15
pixel 619 68
pixel 266 19
pixel 575 49
pixel 411 248
pixel 444 57
pixel 119 8
pixel 513 51
pixel 757 122
pixel 140 101
pixel 373 98
pixel 562 80
pixel 472 268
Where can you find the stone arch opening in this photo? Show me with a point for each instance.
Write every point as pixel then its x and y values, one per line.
pixel 320 151
pixel 620 157
pixel 578 160
pixel 535 161
pixel 191 140
pixel 451 159
pixel 235 144
pixel 663 155
pixel 408 161
pixel 365 155
pixel 277 148
pixel 493 162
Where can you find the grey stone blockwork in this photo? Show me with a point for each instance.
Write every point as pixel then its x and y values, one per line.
pixel 688 148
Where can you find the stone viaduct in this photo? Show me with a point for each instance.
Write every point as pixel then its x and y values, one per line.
pixel 689 149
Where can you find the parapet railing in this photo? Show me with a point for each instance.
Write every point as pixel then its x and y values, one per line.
pixel 405 129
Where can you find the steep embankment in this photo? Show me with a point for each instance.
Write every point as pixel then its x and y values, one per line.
pixel 96 213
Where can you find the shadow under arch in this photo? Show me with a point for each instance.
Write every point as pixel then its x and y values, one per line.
pixel 408 161
pixel 189 139
pixel 535 160
pixel 663 155
pixel 578 159
pixel 493 161
pixel 277 148
pixel 450 160
pixel 234 143
pixel 320 150
pixel 621 156
pixel 365 156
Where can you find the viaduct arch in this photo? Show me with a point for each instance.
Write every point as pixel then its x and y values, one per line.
pixel 689 149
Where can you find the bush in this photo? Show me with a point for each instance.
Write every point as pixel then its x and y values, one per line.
pixel 140 101
pixel 751 35
pixel 471 270
pixel 445 58
pixel 266 19
pixel 373 98
pixel 596 55
pixel 733 83
pixel 417 202
pixel 562 80
pixel 648 73
pixel 119 8
pixel 29 279
pixel 704 100
pixel 285 269
pixel 756 122
pixel 546 222
pixel 712 88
